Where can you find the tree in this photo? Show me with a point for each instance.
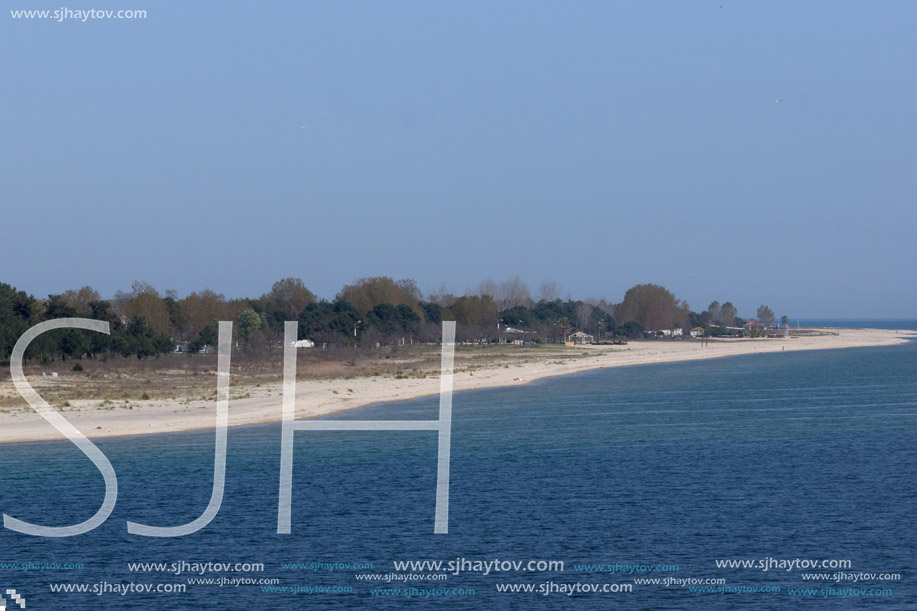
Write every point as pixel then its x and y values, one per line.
pixel 441 296
pixel 101 310
pixel 249 322
pixel 653 306
pixel 475 311
pixel 785 321
pixel 58 307
pixel 145 302
pixel 139 339
pixel 602 325
pixel 208 336
pixel 408 317
pixel 488 288
pixel 765 316
pixel 713 312
pixel 384 317
pixel 73 343
pixel 548 291
pixel 198 310
pixel 433 312
pixel 367 293
pixel 80 299
pixel 728 314
pixel 288 297
pixel 550 311
pixel 408 287
pixel 584 316
pixel 370 337
pixel 513 292
pixel 518 316
pixel 632 329
pixel 564 323
pixel 329 322
pixel 17 308
pixel 683 314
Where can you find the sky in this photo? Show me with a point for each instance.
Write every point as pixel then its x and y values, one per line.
pixel 597 144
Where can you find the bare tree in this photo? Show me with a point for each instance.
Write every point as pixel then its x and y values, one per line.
pixel 409 288
pixel 488 288
pixel 429 332
pixel 602 304
pixel 513 292
pixel 442 296
pixel 548 291
pixel 584 315
pixel 369 337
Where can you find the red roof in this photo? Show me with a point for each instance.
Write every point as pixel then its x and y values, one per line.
pixel 752 323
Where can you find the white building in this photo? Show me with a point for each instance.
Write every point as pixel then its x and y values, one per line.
pixel 580 338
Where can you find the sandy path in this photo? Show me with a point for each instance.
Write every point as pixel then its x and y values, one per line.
pixel 318 398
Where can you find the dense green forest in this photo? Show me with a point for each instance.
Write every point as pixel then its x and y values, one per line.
pixel 370 312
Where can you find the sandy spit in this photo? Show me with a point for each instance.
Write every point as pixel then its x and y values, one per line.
pixel 323 397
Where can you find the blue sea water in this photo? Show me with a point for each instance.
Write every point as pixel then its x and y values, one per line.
pixel 799 455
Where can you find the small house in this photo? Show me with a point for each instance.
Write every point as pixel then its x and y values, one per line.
pixel 580 338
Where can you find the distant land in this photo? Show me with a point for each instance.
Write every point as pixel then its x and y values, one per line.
pixel 368 314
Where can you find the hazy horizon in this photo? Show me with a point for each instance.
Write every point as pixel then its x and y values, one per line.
pixel 749 314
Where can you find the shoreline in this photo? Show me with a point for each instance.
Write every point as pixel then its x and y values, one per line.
pixel 317 398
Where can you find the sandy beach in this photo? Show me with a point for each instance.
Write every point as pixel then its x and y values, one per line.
pixel 316 398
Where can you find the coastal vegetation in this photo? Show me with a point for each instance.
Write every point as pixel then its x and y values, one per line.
pixel 368 314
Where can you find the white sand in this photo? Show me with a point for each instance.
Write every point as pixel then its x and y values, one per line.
pixel 318 398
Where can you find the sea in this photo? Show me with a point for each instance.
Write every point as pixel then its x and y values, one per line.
pixel 776 481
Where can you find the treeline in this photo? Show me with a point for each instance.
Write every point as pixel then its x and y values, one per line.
pixel 129 337
pixel 368 313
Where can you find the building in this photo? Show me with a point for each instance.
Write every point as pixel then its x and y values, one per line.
pixel 580 338
pixel 697 332
pixel 753 325
pixel 520 336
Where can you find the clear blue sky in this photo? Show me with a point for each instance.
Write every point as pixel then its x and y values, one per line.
pixel 597 144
